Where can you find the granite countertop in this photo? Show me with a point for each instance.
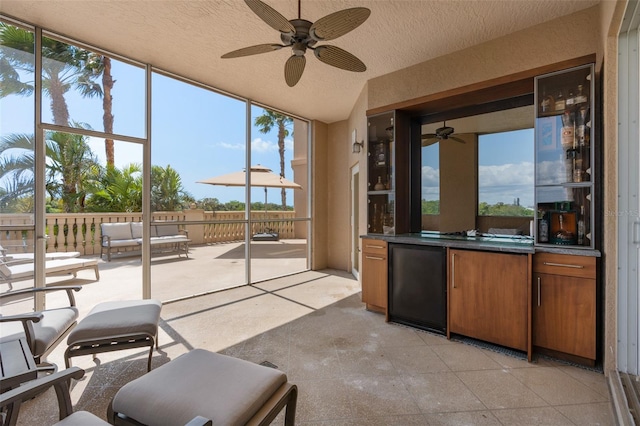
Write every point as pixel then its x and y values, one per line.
pixel 487 242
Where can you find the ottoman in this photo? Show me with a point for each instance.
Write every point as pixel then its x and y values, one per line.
pixel 226 390
pixel 113 326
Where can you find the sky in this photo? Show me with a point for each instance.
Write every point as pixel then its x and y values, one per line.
pixel 199 133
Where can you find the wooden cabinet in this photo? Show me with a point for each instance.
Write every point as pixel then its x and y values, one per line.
pixel 488 297
pixel 374 274
pixel 564 304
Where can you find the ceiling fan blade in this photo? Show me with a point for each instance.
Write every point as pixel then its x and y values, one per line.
pixel 252 50
pixel 457 139
pixel 334 56
pixel 338 23
pixel 293 69
pixel 271 16
pixel 429 136
pixel 429 141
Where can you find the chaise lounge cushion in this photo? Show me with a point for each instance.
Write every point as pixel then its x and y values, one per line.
pixel 26 270
pixel 227 390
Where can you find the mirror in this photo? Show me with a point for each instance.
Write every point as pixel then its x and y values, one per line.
pixel 478 172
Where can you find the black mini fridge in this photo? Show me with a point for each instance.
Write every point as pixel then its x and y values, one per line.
pixel 418 286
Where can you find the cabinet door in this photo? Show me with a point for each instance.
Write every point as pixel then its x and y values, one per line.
pixel 374 274
pixel 564 314
pixel 488 297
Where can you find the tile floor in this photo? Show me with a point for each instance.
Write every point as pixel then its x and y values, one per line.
pixel 350 366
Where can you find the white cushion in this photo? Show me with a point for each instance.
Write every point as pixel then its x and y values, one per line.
pixel 164 230
pixel 136 229
pixel 117 231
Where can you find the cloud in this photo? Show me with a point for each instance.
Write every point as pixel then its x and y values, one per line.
pixel 430 183
pixel 506 182
pixel 261 145
pixel 506 175
pixel 257 145
pixel 232 146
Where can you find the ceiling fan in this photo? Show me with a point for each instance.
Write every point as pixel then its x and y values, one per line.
pixel 300 35
pixel 442 133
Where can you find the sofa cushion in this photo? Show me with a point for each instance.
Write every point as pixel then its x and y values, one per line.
pixel 136 229
pixel 123 243
pixel 169 229
pixel 117 231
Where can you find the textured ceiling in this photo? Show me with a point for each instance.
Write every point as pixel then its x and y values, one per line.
pixel 188 38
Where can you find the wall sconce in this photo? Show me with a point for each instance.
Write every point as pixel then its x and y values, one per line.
pixel 356 146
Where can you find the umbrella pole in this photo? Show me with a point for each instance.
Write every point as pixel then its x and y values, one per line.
pixel 265 209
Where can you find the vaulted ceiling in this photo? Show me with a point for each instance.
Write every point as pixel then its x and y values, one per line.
pixel 189 37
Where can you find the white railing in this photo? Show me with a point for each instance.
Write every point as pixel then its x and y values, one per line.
pixel 81 231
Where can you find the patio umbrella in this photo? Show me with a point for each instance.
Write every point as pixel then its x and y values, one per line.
pixel 260 176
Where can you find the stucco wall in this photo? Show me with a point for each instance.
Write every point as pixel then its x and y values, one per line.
pixel 554 41
pixel 319 198
pixel 338 198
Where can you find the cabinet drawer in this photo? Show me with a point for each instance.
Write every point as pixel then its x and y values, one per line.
pixel 374 247
pixel 564 264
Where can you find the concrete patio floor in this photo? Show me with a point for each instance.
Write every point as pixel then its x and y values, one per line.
pixel 351 367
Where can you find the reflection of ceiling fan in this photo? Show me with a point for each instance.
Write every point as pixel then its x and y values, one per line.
pixel 300 35
pixel 442 133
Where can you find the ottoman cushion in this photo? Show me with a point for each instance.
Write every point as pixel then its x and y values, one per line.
pixel 109 320
pixel 227 390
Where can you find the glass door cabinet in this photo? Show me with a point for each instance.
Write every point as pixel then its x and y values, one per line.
pixel 564 170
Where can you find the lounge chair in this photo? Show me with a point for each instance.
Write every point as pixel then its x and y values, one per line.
pixel 42 330
pixel 10 401
pixel 28 257
pixel 10 271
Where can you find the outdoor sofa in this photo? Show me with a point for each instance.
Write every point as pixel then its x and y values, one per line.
pixel 120 236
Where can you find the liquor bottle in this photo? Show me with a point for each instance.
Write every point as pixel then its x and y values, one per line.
pixel 548 103
pixel 560 102
pixel 581 97
pixel 567 137
pixel 543 228
pixel 571 100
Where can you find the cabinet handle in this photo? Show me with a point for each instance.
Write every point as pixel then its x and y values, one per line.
pixel 538 291
pixel 453 270
pixel 564 265
pixel 370 246
pixel 374 258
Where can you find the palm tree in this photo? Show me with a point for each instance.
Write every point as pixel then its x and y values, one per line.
pixel 64 66
pixel 101 65
pixel 70 165
pixel 118 190
pixel 167 192
pixel 16 167
pixel 265 123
